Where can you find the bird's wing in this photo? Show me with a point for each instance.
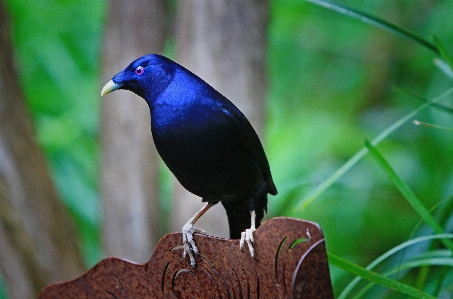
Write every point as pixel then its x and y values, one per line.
pixel 249 141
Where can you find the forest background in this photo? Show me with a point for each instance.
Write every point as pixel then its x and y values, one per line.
pixel 314 83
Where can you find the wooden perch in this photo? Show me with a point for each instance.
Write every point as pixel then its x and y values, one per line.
pixel 290 262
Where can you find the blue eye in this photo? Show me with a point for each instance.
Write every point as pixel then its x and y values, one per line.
pixel 139 70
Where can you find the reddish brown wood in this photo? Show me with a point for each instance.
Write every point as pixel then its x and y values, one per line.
pixel 289 263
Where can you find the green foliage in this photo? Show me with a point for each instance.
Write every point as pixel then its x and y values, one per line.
pixel 334 82
pixel 57 47
pixel 398 249
pixel 408 194
pixel 377 278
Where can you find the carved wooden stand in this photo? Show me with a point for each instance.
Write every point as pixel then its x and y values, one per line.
pixel 290 262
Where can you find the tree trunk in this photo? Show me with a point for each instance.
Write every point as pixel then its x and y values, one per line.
pixel 37 238
pixel 129 179
pixel 223 42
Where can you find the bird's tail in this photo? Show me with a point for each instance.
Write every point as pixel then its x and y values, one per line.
pixel 238 213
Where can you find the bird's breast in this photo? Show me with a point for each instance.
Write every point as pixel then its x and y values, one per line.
pixel 200 146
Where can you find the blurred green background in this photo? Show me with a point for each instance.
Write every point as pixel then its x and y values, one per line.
pixel 334 81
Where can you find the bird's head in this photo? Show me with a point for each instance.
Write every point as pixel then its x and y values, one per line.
pixel 147 76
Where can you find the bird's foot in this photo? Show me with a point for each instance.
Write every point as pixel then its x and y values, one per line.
pixel 247 236
pixel 188 242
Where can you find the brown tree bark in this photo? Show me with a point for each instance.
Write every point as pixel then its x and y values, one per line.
pixel 129 179
pixel 223 42
pixel 37 238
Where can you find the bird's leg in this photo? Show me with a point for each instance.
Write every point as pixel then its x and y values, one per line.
pixel 187 234
pixel 247 235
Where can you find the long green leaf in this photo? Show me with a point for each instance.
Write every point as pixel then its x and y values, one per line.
pixel 445 65
pixel 425 100
pixel 377 278
pixel 443 52
pixel 310 197
pixel 442 262
pixel 344 294
pixel 370 19
pixel 407 192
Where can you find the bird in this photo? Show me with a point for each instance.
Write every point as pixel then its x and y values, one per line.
pixel 205 141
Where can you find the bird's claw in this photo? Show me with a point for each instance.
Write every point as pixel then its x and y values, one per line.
pixel 247 236
pixel 189 243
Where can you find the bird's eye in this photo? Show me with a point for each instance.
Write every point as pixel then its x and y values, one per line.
pixel 139 70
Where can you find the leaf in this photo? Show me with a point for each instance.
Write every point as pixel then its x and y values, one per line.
pixel 376 277
pixel 445 65
pixel 407 192
pixel 443 52
pixel 344 294
pixel 309 198
pixel 378 22
pixel 425 100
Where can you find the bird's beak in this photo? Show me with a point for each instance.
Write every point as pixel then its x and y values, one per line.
pixel 109 87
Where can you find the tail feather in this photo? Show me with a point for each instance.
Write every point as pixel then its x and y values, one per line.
pixel 238 213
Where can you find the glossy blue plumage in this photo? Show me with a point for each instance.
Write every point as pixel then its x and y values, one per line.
pixel 203 138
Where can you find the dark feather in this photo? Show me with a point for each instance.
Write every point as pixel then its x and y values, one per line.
pixel 204 139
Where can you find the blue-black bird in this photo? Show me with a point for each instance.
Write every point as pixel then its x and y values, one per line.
pixel 206 142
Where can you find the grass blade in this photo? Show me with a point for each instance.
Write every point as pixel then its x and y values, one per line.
pixel 344 294
pixel 441 262
pixel 407 192
pixel 432 126
pixel 378 22
pixel 425 100
pixel 377 278
pixel 310 197
pixel 444 67
pixel 443 52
